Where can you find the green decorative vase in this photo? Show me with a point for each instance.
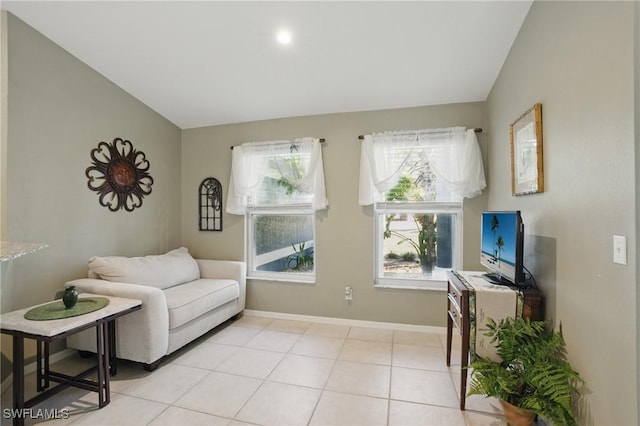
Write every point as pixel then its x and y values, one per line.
pixel 70 297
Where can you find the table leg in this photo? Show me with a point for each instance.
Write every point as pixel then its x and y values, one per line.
pixel 107 355
pixel 449 332
pixel 101 366
pixel 18 381
pixel 464 361
pixel 40 386
pixel 113 359
pixel 47 370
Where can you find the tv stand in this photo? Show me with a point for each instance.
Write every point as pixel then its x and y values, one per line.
pixel 494 278
pixel 459 315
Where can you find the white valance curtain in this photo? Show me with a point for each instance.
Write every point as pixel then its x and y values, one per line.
pixel 453 155
pixel 298 163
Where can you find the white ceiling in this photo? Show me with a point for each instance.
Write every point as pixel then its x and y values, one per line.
pixel 209 62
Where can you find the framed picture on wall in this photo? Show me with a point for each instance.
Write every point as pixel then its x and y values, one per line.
pixel 526 153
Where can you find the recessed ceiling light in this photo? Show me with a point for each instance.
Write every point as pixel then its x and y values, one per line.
pixel 284 36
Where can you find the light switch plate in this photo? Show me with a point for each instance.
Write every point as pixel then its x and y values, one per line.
pixel 620 249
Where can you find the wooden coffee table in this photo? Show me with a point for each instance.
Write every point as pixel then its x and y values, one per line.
pixel 45 332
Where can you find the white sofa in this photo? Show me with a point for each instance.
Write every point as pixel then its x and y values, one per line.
pixel 182 299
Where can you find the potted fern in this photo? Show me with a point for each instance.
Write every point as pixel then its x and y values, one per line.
pixel 533 375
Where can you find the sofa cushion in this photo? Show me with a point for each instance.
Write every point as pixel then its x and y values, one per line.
pixel 188 301
pixel 161 271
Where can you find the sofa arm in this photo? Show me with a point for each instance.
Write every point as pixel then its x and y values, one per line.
pixel 143 335
pixel 226 269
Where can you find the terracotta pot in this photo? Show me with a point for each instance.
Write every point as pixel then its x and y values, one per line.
pixel 517 416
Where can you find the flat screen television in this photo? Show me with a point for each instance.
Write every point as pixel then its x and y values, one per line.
pixel 502 236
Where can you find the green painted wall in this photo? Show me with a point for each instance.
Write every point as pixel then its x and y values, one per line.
pixel 58 110
pixel 576 58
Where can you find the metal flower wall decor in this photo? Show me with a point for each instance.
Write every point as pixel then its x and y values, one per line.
pixel 119 174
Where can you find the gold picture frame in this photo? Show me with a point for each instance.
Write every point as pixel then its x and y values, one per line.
pixel 526 152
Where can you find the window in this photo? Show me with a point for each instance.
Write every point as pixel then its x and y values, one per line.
pixel 278 186
pixel 281 242
pixel 416 243
pixel 416 182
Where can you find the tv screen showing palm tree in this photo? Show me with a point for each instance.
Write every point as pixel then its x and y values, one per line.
pixel 502 235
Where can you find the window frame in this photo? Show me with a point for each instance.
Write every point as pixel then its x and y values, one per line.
pixel 411 207
pixel 279 210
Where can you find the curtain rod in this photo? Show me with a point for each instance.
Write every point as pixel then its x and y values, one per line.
pixel 321 141
pixel 477 130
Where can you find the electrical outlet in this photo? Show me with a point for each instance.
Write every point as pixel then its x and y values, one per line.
pixel 348 293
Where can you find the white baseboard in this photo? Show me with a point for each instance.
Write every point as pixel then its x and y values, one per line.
pixel 347 322
pixel 31 368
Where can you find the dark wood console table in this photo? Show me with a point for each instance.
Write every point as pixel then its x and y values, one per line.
pixel 458 314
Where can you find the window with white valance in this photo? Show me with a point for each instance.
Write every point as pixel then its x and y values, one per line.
pixel 416 181
pixel 450 155
pixel 278 186
pixel 277 173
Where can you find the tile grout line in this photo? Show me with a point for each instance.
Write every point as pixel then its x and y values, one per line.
pixel 324 387
pixel 393 346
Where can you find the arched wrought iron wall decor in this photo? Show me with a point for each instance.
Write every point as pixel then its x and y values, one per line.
pixel 210 205
pixel 119 174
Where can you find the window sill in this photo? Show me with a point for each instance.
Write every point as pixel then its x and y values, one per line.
pixel 428 285
pixel 297 280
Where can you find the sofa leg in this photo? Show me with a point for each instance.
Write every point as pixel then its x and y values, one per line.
pixel 152 366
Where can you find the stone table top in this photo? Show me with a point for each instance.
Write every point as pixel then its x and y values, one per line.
pixel 15 321
pixel 10 251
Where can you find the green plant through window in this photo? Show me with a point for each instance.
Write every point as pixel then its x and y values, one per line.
pixel 294 165
pixel 425 242
pixel 302 259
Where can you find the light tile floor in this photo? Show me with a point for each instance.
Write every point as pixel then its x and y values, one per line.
pixel 265 371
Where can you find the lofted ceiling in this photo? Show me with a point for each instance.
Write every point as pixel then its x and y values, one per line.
pixel 204 63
